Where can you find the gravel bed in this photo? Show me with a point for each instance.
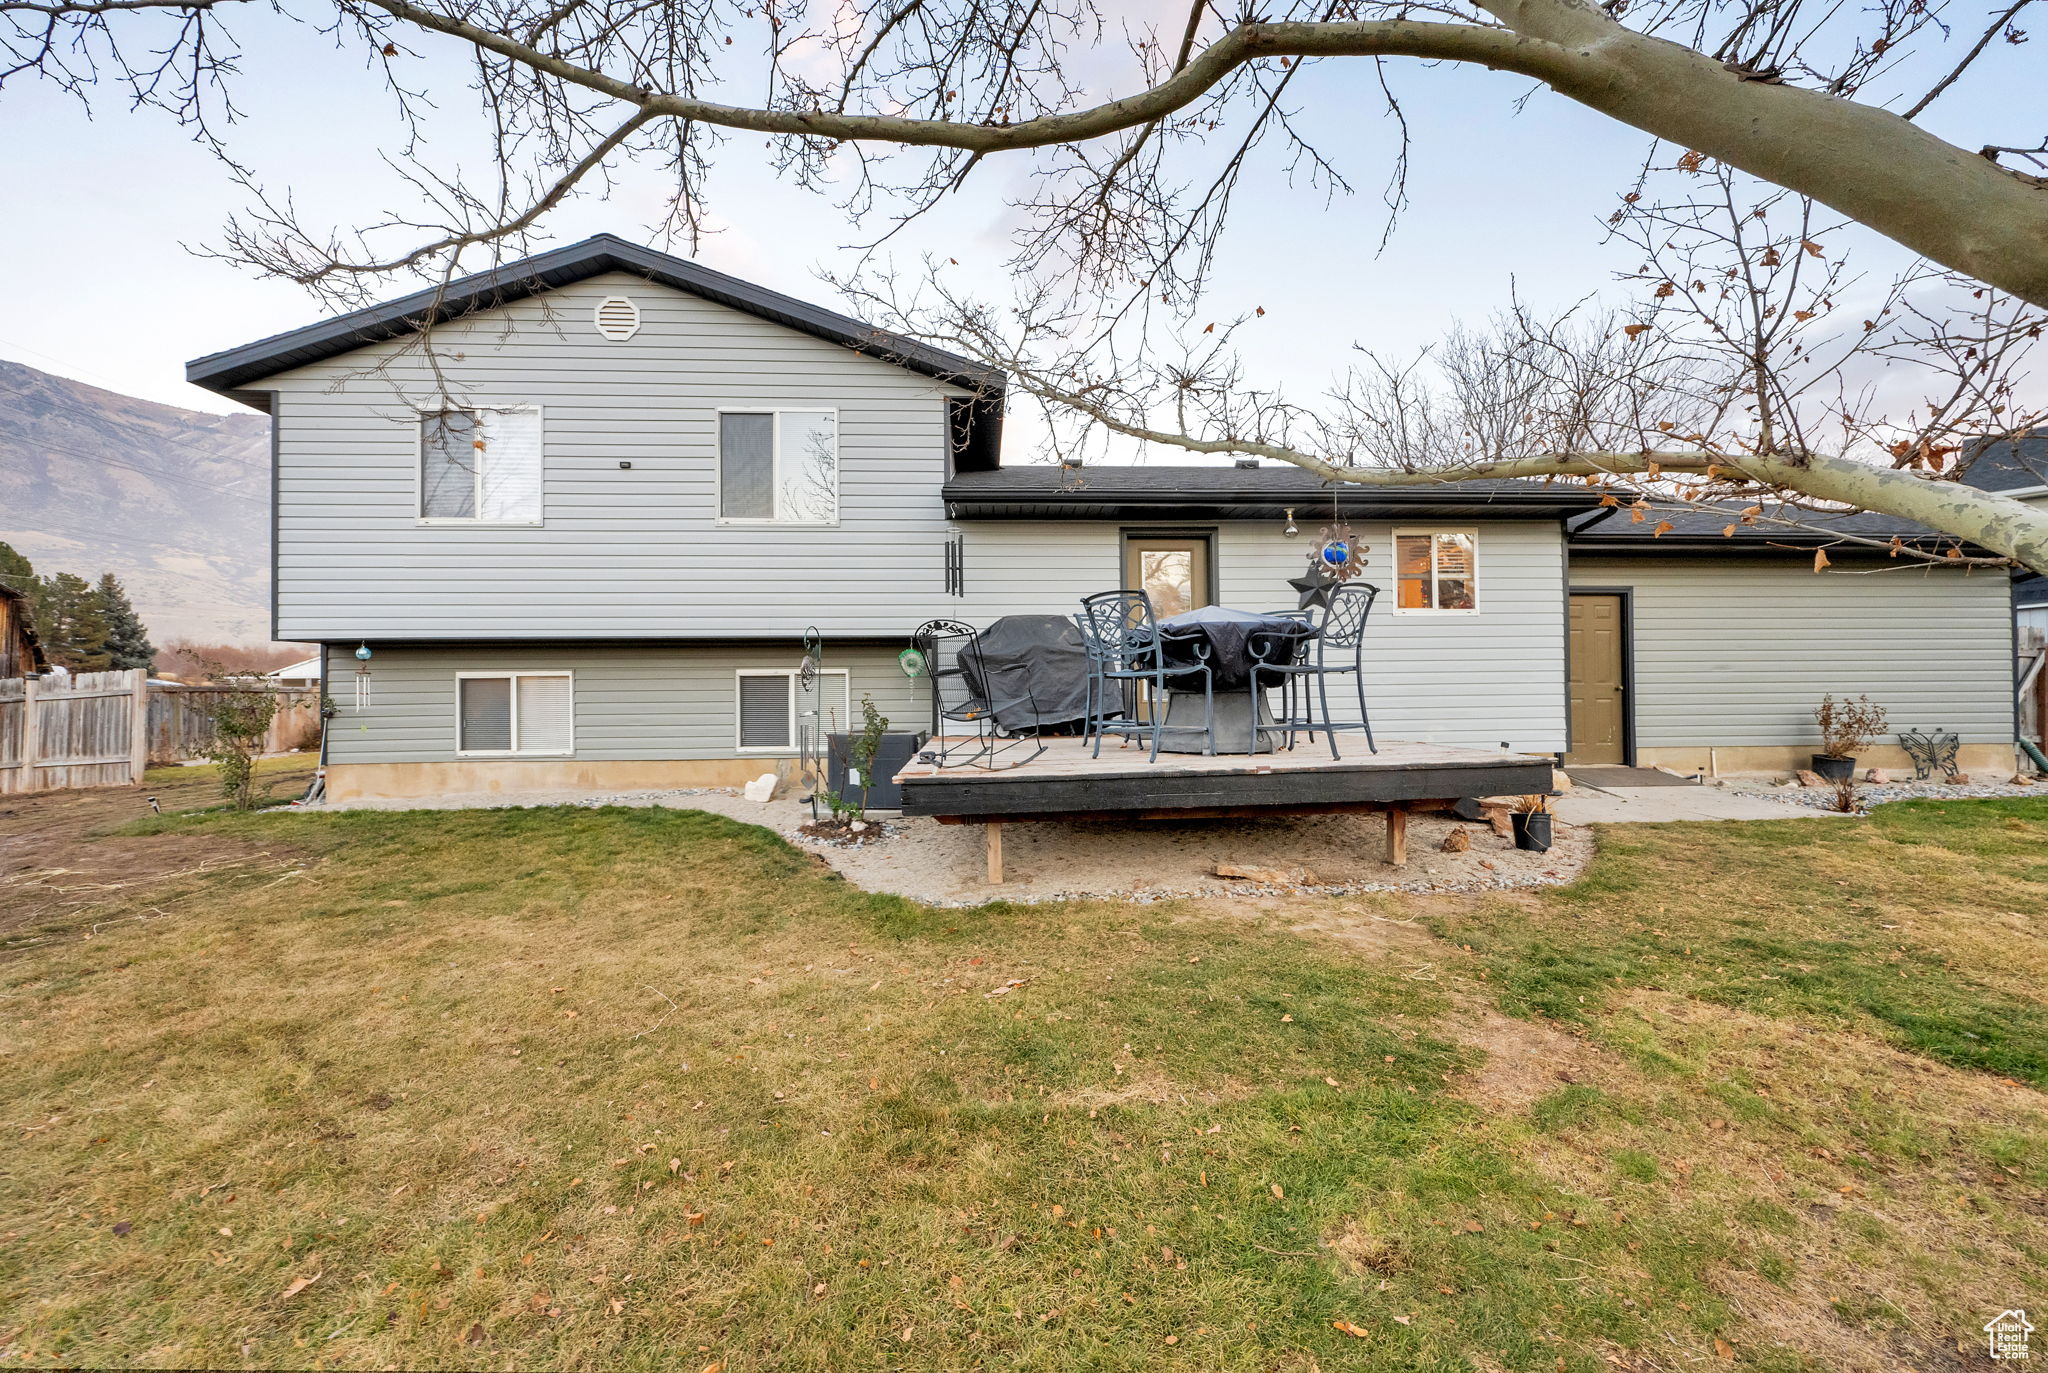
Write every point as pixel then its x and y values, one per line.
pixel 1139 862
pixel 1870 794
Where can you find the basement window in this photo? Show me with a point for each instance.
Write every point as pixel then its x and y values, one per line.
pixel 770 703
pixel 504 714
pixel 1436 571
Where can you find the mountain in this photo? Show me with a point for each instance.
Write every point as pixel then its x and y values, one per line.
pixel 173 502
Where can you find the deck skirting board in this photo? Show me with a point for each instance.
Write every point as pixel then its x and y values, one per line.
pixel 1139 789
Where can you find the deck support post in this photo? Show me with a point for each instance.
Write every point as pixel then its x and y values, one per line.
pixel 1397 835
pixel 992 839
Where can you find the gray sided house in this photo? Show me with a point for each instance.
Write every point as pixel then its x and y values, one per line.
pixel 583 509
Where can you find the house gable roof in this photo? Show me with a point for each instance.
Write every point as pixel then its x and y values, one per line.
pixel 231 373
pixel 2011 464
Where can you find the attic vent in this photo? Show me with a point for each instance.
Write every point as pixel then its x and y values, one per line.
pixel 617 318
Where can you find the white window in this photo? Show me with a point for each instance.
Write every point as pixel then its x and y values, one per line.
pixel 1436 570
pixel 515 713
pixel 778 466
pixel 481 466
pixel 770 703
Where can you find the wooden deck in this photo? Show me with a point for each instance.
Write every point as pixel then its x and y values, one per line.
pixel 1067 783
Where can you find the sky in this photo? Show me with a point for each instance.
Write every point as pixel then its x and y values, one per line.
pixel 103 277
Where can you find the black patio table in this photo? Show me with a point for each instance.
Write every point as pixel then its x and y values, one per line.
pixel 1229 635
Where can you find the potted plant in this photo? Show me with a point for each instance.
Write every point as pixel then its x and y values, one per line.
pixel 1531 823
pixel 1846 728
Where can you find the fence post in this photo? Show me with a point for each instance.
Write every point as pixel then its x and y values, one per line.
pixel 28 735
pixel 138 746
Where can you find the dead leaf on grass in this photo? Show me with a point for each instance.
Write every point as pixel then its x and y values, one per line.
pixel 298 1285
pixel 1348 1328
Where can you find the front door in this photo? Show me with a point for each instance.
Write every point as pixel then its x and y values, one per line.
pixel 1174 572
pixel 1599 684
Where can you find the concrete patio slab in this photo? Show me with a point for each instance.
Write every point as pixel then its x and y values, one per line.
pixel 1586 805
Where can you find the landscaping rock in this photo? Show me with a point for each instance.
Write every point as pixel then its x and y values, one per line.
pixel 1878 776
pixel 1810 779
pixel 1273 876
pixel 1458 840
pixel 762 788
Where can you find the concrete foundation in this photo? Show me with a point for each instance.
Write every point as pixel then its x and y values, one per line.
pixel 1983 761
pixel 348 782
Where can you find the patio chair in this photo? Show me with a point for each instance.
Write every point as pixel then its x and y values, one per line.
pixel 957 700
pixel 1127 654
pixel 921 639
pixel 1337 649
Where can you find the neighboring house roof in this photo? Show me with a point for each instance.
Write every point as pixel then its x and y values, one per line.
pixel 1045 491
pixel 2011 465
pixel 305 670
pixel 229 373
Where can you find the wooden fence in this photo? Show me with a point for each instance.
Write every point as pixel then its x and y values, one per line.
pixel 101 729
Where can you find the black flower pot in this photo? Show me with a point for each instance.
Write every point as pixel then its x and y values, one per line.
pixel 1834 769
pixel 1532 830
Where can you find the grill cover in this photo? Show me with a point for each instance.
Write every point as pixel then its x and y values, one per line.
pixel 1031 669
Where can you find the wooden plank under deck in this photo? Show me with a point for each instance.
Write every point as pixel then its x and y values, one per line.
pixel 1067 783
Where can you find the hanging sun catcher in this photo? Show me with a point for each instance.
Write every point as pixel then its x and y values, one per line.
pixel 1337 552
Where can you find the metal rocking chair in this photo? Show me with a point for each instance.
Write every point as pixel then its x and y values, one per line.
pixel 955 700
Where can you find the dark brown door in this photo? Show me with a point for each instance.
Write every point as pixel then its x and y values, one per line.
pixel 1174 572
pixel 1599 684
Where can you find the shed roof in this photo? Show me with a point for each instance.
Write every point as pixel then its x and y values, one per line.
pixel 1694 527
pixel 231 372
pixel 1046 491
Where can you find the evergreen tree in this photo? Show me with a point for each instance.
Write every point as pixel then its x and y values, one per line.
pixel 17 571
pixel 127 641
pixel 71 625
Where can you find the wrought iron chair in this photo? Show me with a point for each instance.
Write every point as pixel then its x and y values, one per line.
pixel 1338 648
pixel 956 700
pixel 921 639
pixel 1275 650
pixel 1127 653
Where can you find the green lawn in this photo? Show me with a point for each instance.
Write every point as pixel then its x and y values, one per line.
pixel 634 1088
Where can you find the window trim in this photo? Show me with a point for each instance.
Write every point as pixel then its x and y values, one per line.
pixel 789 673
pixel 515 751
pixel 1432 531
pixel 419 472
pixel 775 464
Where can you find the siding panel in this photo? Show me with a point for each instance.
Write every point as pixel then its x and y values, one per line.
pixel 632 702
pixel 1734 651
pixel 622 553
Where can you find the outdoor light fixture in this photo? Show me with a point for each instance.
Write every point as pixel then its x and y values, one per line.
pixel 1293 530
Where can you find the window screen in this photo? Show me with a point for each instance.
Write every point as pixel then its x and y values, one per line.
pixel 764 710
pixel 486 714
pixel 746 467
pixel 450 456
